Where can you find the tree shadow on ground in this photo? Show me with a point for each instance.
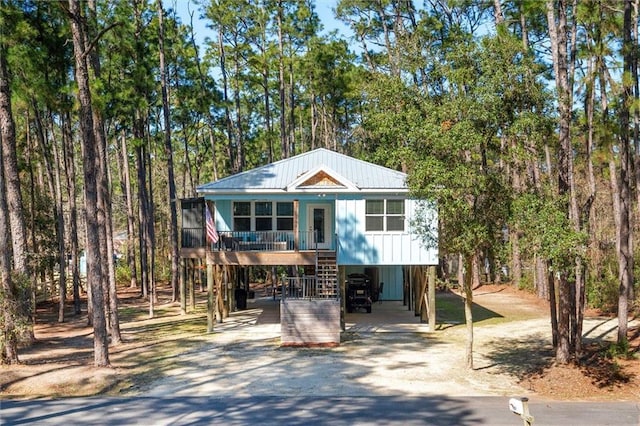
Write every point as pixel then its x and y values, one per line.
pixel 291 410
pixel 533 356
pixel 519 357
pixel 600 365
pixel 450 309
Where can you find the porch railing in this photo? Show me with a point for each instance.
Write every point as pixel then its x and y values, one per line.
pixel 251 240
pixel 307 287
pixel 254 241
pixel 193 237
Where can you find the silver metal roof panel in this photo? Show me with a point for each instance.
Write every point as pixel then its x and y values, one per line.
pixel 277 176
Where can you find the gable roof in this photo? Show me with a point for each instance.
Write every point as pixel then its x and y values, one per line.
pixel 320 169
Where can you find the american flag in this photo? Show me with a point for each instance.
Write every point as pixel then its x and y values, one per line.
pixel 212 234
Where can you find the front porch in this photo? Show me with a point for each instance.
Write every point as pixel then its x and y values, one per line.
pixel 255 247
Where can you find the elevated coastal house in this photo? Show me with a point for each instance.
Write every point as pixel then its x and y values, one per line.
pixel 325 216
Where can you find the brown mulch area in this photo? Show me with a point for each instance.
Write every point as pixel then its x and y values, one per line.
pixel 599 374
pixel 594 377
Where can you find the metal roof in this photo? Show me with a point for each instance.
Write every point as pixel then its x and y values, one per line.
pixel 278 176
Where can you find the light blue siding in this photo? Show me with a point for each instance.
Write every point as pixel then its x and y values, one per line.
pixel 359 247
pixel 391 276
pixel 346 221
pixel 224 215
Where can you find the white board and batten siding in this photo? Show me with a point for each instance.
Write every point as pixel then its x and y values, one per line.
pixel 359 247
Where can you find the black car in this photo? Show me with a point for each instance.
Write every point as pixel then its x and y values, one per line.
pixel 358 293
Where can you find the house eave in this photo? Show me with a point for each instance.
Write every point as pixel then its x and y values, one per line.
pixel 315 190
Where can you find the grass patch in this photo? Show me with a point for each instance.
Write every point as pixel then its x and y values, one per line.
pixel 153 346
pixel 450 310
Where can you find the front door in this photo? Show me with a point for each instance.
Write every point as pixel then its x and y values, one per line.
pixel 319 225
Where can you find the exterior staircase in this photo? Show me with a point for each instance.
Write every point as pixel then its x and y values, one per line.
pixel 327 275
pixel 314 318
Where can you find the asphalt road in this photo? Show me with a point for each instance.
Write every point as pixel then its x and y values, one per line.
pixel 308 410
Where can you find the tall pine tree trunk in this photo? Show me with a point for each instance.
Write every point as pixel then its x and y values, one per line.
pixel 239 131
pixel 9 341
pixel 553 306
pixel 10 312
pixel 70 175
pixel 13 192
pixel 62 250
pixel 125 180
pixel 292 112
pixel 95 274
pixel 53 170
pixel 168 150
pixel 625 257
pixel 558 34
pixel 635 56
pixel 471 264
pixel 514 231
pixel 284 143
pixel 210 120
pixel 225 98
pixel 142 218
pixel 105 221
pixel 13 199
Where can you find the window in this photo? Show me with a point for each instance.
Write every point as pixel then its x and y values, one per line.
pixel 284 218
pixel 264 215
pixel 259 216
pixel 395 215
pixel 375 215
pixel 242 216
pixel 384 215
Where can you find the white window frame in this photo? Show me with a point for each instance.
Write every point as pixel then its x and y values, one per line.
pixel 252 215
pixel 385 215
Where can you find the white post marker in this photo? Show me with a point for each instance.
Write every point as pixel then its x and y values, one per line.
pixel 520 406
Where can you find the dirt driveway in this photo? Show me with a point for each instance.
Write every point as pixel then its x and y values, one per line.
pixel 171 355
pixel 385 353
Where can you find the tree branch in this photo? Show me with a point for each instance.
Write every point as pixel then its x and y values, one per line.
pixel 97 38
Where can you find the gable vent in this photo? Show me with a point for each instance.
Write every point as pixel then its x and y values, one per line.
pixel 321 179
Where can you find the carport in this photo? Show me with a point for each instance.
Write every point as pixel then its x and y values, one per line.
pixel 385 317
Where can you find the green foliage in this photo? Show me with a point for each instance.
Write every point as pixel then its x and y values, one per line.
pixel 620 350
pixel 425 223
pixel 549 231
pixel 123 273
pixel 526 281
pixel 17 305
pixel 44 231
pixel 602 291
pixel 451 136
pixel 163 272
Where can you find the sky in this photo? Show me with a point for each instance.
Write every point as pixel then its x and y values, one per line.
pixel 184 7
